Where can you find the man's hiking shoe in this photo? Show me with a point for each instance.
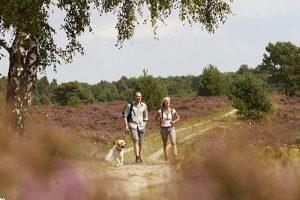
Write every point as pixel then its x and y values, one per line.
pixel 137 159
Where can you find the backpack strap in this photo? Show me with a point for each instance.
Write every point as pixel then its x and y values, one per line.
pixel 162 113
pixel 131 106
pixel 130 110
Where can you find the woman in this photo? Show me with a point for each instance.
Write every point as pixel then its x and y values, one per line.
pixel 167 117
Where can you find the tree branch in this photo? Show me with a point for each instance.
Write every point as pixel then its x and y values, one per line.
pixel 4 45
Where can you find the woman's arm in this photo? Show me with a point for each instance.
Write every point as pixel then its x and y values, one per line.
pixel 176 118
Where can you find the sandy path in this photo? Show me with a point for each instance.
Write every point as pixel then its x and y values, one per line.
pixel 158 153
pixel 136 178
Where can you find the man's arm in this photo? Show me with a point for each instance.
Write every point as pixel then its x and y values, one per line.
pixel 126 125
pixel 145 115
pixel 126 113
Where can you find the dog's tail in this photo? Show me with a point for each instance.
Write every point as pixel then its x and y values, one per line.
pixel 108 156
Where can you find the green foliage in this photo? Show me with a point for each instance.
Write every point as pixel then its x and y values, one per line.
pixel 70 92
pixel 126 87
pixel 244 69
pixel 281 66
pixel 74 101
pixel 209 14
pixel 33 18
pixel 249 96
pixel 153 92
pixel 53 84
pixel 210 82
pixel 180 86
pixel 227 79
pixel 42 92
pixel 105 92
pixel 297 138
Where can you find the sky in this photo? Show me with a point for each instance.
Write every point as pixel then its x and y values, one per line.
pixel 181 49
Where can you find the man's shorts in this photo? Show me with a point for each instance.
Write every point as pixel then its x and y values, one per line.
pixel 167 131
pixel 137 135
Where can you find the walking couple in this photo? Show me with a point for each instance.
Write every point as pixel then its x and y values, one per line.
pixel 136 117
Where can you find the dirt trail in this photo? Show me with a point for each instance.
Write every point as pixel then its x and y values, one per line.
pixel 158 153
pixel 137 178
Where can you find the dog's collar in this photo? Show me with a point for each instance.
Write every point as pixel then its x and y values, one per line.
pixel 118 148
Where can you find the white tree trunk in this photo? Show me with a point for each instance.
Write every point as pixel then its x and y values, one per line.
pixel 21 79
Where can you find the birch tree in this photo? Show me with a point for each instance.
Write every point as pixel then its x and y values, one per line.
pixel 29 38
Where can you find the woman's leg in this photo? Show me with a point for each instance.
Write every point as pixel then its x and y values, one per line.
pixel 164 137
pixel 165 151
pixel 173 142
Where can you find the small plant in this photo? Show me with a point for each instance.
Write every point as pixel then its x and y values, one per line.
pixel 297 138
pixel 249 96
pixel 74 101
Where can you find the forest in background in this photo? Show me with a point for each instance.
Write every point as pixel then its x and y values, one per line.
pixel 279 70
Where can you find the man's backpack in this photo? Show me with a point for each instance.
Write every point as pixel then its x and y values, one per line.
pixel 129 116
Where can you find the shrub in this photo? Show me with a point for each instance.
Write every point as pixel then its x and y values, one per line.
pixel 249 96
pixel 297 138
pixel 74 101
pixel 153 92
pixel 63 93
pixel 210 82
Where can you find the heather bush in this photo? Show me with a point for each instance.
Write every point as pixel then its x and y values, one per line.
pixel 41 165
pixel 234 167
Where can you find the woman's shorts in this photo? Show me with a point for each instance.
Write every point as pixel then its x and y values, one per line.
pixel 167 131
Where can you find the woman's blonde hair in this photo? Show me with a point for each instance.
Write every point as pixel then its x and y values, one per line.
pixel 164 100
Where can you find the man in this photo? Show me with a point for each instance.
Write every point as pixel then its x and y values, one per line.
pixel 136 124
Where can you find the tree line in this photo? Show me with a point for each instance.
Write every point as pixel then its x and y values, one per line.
pixel 279 70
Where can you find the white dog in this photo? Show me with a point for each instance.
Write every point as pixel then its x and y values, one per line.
pixel 117 152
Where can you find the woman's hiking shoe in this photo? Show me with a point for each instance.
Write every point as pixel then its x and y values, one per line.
pixel 166 158
pixel 137 159
pixel 140 159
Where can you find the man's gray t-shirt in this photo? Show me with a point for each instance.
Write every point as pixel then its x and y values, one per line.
pixel 139 114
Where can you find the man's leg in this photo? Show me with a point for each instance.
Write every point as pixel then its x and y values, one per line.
pixel 136 147
pixel 141 135
pixel 140 147
pixel 135 140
